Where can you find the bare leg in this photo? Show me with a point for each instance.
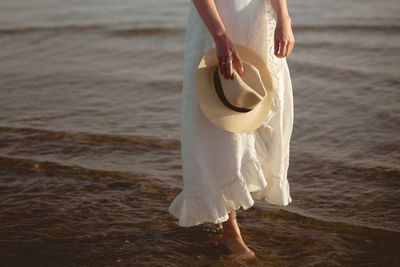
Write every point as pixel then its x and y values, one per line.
pixel 232 238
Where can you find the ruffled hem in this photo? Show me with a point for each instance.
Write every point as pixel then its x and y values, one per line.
pixel 214 209
pixel 275 190
pixel 192 211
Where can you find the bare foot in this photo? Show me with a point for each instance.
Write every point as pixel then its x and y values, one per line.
pixel 237 246
pixel 232 238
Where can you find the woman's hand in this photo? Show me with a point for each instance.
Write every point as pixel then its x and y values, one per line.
pixel 227 56
pixel 283 37
pixel 226 52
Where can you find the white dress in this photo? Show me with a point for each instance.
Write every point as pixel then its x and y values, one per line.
pixel 223 171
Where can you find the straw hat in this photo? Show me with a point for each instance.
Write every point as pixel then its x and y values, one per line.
pixel 240 105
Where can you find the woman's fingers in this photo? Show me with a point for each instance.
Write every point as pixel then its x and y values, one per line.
pixel 285 48
pixel 291 45
pixel 280 45
pixel 276 44
pixel 225 66
pixel 229 71
pixel 238 62
pixel 220 65
pixel 288 46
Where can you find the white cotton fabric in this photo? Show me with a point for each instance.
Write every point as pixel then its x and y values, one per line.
pixel 223 171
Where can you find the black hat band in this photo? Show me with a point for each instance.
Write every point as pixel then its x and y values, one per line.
pixel 220 93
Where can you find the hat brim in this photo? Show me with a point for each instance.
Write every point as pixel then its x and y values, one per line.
pixel 212 107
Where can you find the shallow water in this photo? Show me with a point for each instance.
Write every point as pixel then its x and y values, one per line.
pixel 89 138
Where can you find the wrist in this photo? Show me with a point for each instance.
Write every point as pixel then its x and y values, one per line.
pixel 220 36
pixel 283 17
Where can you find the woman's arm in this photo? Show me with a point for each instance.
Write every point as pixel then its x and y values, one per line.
pixel 283 36
pixel 226 52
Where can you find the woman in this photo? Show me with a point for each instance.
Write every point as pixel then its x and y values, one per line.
pixel 223 171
